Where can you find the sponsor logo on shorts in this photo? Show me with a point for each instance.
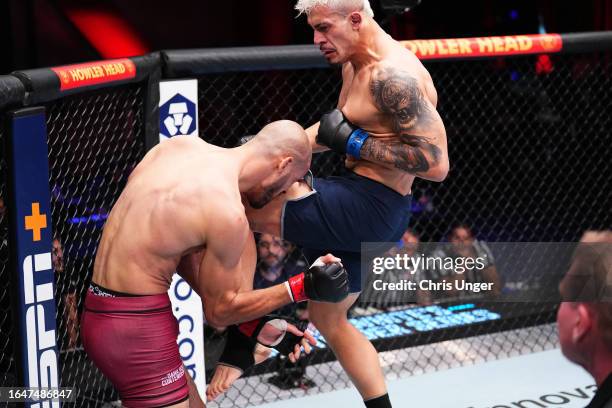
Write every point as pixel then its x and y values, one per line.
pixel 99 292
pixel 173 376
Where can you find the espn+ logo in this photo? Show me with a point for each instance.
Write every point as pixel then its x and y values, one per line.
pixel 41 345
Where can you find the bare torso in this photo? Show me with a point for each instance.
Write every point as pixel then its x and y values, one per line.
pixel 164 213
pixel 358 105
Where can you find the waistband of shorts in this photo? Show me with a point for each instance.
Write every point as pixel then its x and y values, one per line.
pixel 376 184
pixel 140 304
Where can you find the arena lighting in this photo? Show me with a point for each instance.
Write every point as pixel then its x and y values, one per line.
pixel 86 219
pixel 107 32
pixel 398 6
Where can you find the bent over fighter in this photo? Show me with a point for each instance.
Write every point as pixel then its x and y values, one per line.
pixel 182 209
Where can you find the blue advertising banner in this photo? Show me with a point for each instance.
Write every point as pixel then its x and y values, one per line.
pixel 31 241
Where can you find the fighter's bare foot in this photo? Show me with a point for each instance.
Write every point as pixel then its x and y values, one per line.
pixel 225 375
pixel 223 378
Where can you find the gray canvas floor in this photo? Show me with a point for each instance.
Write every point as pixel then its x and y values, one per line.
pixel 412 369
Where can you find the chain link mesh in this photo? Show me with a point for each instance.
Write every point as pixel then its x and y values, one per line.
pixel 237 104
pixel 7 328
pixel 528 148
pixel 95 140
pixel 529 153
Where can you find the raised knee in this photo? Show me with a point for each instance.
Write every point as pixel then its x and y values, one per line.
pixel 327 322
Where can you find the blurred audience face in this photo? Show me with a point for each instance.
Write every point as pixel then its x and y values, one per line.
pixel 57 256
pixel 272 251
pixel 462 236
pixel 461 239
pixel 410 242
pixel 2 208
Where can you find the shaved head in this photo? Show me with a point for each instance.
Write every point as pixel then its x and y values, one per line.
pixel 285 138
pixel 286 147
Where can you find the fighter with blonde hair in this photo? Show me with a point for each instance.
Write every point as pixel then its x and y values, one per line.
pixel 387 125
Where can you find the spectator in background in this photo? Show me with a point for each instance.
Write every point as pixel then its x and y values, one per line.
pixel 57 256
pixel 584 318
pixel 463 244
pixel 410 244
pixel 68 294
pixel 274 266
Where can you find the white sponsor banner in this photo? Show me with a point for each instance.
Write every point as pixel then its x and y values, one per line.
pixel 178 116
pixel 187 308
pixel 178 108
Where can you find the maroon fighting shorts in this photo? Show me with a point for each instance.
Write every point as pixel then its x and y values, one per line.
pixel 132 340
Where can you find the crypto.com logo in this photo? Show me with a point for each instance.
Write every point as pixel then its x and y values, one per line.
pixel 177 116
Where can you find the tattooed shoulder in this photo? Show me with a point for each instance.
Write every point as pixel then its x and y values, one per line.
pixel 398 94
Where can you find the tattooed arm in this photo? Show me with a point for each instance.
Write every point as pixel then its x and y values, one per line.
pixel 421 144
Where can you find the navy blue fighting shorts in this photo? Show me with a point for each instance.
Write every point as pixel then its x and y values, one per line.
pixel 340 214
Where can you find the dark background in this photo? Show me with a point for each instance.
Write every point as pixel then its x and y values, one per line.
pixel 40 33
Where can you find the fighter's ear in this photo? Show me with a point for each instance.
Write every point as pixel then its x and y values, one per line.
pixel 284 164
pixel 356 20
pixel 584 323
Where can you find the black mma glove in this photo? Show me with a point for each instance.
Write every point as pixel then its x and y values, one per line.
pixel 321 282
pixel 289 341
pixel 340 135
pixel 238 351
pixel 242 339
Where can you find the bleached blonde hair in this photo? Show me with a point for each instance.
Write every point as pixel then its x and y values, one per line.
pixel 344 6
